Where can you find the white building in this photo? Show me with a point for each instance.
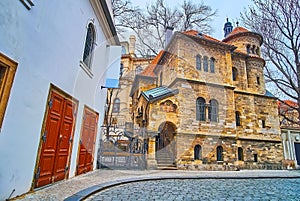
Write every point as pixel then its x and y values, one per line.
pixel 54 58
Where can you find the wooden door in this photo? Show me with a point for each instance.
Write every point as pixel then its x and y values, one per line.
pixel 87 142
pixel 56 140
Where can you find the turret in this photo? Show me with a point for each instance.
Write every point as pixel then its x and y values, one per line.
pixel 227 28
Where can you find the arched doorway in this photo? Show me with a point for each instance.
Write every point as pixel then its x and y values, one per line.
pixel 165 138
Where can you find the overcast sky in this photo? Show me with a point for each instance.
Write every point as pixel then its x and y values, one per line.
pixel 226 8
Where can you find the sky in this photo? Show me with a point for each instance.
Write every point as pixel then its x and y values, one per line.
pixel 226 8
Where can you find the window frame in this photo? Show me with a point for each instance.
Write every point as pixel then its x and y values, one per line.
pixel 198 62
pixel 198 152
pixel 234 73
pixel 116 105
pixel 219 151
pixel 237 118
pixel 200 109
pixel 213 110
pixel 6 83
pixel 240 154
pixel 89 46
pixel 205 64
pixel 212 64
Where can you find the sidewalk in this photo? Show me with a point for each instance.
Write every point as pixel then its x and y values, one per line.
pixel 101 178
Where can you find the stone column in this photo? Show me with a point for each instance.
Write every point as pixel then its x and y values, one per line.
pixel 151 162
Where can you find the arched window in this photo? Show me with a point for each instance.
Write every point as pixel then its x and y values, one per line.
pixel 213 110
pixel 237 118
pixel 116 106
pixel 198 62
pixel 248 48
pixel 240 154
pixel 89 45
pixel 205 63
pixel 234 74
pixel 138 69
pixel 212 65
pixel 200 109
pixel 219 153
pixel 197 152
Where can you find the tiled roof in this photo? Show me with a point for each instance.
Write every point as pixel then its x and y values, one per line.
pixel 204 36
pixel 287 103
pixel 237 30
pixel 158 93
pixel 149 70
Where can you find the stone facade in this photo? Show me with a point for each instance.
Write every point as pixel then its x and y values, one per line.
pixel 235 126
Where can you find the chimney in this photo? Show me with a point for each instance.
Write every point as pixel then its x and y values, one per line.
pixel 132 44
pixel 168 35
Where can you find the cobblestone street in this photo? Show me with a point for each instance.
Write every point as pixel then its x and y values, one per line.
pixel 204 189
pixel 78 187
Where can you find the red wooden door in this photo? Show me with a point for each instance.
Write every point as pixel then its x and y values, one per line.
pixel 87 142
pixel 55 140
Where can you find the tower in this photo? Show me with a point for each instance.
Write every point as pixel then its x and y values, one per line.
pixel 227 28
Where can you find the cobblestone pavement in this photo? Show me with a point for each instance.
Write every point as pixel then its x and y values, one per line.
pixel 64 189
pixel 203 189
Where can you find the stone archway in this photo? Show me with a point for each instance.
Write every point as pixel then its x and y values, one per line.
pixel 165 138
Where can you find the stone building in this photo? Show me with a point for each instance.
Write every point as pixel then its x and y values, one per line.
pixel 204 104
pixel 290 132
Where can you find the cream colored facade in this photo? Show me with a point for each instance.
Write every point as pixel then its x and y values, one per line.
pixel 204 105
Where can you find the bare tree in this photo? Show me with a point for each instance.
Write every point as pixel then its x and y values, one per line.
pixel 150 24
pixel 278 21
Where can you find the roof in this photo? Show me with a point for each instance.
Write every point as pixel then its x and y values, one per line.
pixel 197 34
pixel 149 70
pixel 237 31
pixel 158 93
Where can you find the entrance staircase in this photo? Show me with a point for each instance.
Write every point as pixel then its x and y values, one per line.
pixel 164 160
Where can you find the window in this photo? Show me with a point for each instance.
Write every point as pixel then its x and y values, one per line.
pixel 263 123
pixel 197 152
pixel 212 65
pixel 238 118
pixel 255 159
pixel 240 154
pixel 234 74
pixel 198 62
pixel 219 153
pixel 213 110
pixel 200 109
pixel 253 49
pixel 248 47
pixel 89 45
pixel 258 80
pixel 7 72
pixel 138 69
pixel 121 69
pixel 205 63
pixel 116 106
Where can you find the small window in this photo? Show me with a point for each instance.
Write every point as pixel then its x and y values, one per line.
pixel 198 62
pixel 212 65
pixel 234 74
pixel 121 69
pixel 197 152
pixel 253 49
pixel 237 118
pixel 138 69
pixel 205 63
pixel 255 159
pixel 200 109
pixel 263 123
pixel 248 47
pixel 89 45
pixel 7 72
pixel 258 80
pixel 213 111
pixel 116 106
pixel 240 154
pixel 219 153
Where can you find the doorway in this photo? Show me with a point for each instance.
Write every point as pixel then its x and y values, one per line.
pixel 56 139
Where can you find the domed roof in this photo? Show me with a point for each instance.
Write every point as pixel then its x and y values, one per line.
pixel 238 31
